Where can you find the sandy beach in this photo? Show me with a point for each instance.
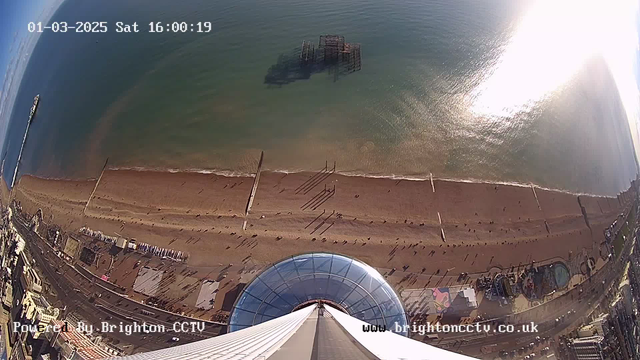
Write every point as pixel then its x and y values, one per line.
pixel 386 222
pixel 4 191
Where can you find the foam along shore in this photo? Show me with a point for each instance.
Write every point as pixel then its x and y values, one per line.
pixel 388 223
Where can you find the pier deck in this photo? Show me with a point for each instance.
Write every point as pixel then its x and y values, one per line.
pixel 332 51
pixel 336 51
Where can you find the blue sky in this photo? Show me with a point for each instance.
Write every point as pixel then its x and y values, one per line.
pixel 16 44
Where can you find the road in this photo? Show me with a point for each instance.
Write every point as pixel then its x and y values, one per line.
pixel 593 293
pixel 79 294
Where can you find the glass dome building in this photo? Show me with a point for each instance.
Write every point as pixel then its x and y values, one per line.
pixel 348 284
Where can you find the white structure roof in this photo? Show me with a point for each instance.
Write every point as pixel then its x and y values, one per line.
pixel 387 345
pixel 207 295
pixel 308 333
pixel 256 342
pixel 148 281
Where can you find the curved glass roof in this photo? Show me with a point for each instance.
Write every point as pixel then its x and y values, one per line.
pixel 354 286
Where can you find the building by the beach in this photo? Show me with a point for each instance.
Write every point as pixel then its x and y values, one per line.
pixel 612 335
pixel 37 311
pixel 73 344
pixel 589 348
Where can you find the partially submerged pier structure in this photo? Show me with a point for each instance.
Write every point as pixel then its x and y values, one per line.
pixel 332 54
pixel 335 51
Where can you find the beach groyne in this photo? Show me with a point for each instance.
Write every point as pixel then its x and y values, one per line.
pixel 254 188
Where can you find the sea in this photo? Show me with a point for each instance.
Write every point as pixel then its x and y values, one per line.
pixel 448 88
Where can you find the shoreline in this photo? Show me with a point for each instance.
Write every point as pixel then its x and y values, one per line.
pixel 386 223
pixel 177 210
pixel 238 174
pixel 204 214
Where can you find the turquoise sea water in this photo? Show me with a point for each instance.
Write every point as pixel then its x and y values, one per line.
pixel 199 101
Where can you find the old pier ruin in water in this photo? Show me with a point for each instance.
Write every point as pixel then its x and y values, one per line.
pixel 332 54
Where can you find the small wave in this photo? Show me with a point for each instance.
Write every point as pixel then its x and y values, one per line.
pixel 227 173
pixel 231 173
pixel 428 177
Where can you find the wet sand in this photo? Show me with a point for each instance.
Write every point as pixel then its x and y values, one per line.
pixel 387 223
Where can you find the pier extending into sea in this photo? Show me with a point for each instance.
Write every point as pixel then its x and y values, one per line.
pixel 32 113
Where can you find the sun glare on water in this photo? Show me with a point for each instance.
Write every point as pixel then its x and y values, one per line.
pixel 549 46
